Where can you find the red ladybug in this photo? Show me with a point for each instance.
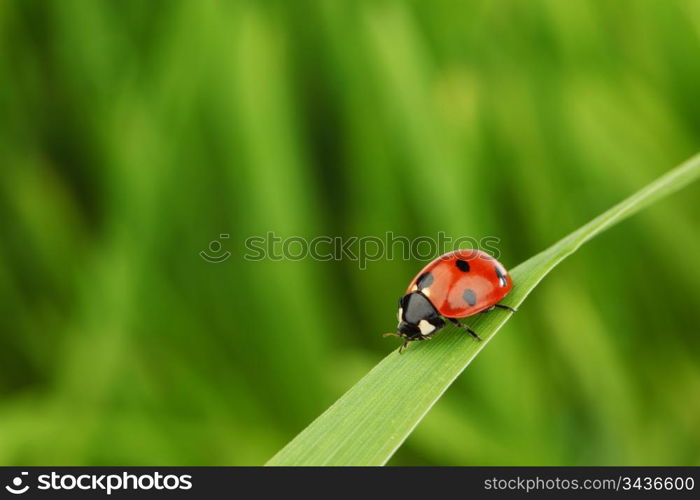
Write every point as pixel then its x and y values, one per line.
pixel 456 285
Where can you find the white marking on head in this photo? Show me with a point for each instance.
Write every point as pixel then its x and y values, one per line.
pixel 399 314
pixel 425 327
pixel 426 292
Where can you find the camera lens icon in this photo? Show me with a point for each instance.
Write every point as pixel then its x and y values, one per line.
pixel 16 487
pixel 215 254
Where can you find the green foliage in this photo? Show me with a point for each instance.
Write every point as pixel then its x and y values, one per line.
pixel 368 424
pixel 134 133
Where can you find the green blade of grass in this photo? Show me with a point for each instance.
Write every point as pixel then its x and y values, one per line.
pixel 370 421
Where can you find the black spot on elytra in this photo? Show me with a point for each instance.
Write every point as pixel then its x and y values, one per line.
pixel 424 281
pixel 469 296
pixel 501 277
pixel 463 265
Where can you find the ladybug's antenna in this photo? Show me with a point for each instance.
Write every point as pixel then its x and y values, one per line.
pixel 403 346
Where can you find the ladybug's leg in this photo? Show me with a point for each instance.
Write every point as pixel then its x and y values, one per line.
pixel 402 346
pixel 507 308
pixel 464 327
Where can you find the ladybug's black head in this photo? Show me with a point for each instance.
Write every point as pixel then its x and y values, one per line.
pixel 417 317
pixel 409 331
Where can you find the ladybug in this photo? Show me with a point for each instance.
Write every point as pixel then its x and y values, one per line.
pixel 456 285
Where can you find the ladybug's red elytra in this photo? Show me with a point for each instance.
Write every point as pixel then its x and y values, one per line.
pixel 456 285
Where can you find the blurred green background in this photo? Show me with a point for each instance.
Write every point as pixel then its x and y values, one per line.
pixel 133 133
